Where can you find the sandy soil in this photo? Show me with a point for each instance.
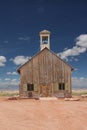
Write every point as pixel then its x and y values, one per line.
pixel 43 115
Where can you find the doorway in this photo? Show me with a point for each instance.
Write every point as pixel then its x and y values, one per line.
pixel 46 91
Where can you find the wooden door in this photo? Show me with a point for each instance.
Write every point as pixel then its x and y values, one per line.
pixel 46 91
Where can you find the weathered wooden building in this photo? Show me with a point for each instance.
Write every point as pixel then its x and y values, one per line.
pixel 45 74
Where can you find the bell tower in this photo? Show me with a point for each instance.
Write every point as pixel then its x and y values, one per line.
pixel 44 39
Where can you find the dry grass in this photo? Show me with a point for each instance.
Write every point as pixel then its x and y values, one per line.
pixel 79 92
pixel 8 93
pixel 16 93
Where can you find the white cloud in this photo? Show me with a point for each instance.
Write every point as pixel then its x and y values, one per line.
pixel 20 60
pixel 2 61
pixel 75 59
pixel 72 58
pixel 78 83
pixel 7 79
pixel 75 51
pixel 14 73
pixel 13 80
pixel 24 38
pixel 65 48
pixel 75 69
pixel 11 73
pixel 82 40
pixel 80 47
pixel 8 73
pixel 10 84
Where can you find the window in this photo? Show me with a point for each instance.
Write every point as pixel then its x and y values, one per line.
pixel 30 87
pixel 45 40
pixel 61 86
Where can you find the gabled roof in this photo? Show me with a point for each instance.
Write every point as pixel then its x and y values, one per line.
pixel 41 52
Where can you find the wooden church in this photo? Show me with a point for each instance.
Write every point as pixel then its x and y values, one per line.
pixel 45 74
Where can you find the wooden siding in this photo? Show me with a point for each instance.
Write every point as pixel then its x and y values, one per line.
pixel 46 69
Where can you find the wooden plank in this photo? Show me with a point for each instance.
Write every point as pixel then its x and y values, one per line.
pixel 36 87
pixel 56 87
pixel 24 87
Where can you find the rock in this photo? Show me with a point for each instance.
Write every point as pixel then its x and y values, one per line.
pixel 84 96
pixel 12 98
pixel 66 99
pixel 71 99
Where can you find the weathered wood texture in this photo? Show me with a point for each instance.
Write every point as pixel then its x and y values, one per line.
pixel 46 69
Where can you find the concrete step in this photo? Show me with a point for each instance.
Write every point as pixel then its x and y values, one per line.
pixel 47 98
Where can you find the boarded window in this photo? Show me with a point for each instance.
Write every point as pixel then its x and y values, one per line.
pixel 30 87
pixel 61 86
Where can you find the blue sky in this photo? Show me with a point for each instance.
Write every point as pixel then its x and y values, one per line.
pixel 20 24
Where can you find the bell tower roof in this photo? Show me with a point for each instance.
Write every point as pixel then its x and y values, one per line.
pixel 45 32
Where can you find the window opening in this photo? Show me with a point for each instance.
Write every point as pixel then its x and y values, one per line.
pixel 44 40
pixel 30 87
pixel 61 86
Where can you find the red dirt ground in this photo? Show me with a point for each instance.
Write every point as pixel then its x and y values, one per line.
pixel 43 115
